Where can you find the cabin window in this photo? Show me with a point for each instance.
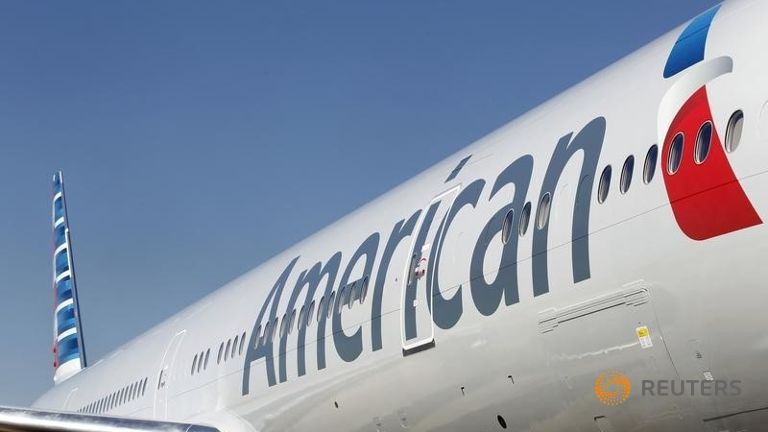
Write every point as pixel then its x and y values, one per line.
pixel 675 154
pixel 292 321
pixel 311 312
pixel 144 387
pixel 506 226
pixel 234 347
pixel 275 327
pixel 703 143
pixel 605 185
pixel 542 214
pixel 342 298
pixel 321 308
pixel 354 294
pixel 221 351
pixel 284 325
pixel 626 174
pixel 331 304
pixel 194 364
pixel 242 344
pixel 649 170
pixel 265 334
pixel 733 131
pixel 525 218
pixel 364 290
pixel 302 316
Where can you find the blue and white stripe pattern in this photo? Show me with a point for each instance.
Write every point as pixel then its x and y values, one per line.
pixel 69 353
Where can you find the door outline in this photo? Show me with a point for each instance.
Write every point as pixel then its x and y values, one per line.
pixel 165 375
pixel 422 343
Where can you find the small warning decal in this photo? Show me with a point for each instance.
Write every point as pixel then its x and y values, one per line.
pixel 644 336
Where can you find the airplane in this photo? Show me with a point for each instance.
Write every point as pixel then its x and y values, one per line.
pixel 594 265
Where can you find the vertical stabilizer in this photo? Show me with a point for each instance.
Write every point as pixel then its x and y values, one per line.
pixel 68 347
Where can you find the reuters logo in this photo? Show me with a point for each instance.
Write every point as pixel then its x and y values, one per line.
pixel 612 388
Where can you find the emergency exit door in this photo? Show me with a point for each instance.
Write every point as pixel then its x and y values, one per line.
pixel 166 376
pixel 416 324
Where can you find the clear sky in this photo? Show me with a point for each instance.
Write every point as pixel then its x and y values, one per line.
pixel 199 138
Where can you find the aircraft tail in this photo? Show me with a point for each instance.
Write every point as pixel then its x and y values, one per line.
pixel 68 347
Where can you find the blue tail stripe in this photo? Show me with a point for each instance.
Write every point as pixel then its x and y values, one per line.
pixel 65 319
pixel 62 262
pixel 59 235
pixel 64 290
pixel 68 349
pixel 58 209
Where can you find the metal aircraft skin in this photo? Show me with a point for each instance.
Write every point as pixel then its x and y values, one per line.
pixel 615 231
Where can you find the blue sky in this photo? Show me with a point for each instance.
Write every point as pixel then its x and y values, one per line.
pixel 200 138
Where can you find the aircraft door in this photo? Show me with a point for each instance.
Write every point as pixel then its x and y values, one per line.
pixel 417 327
pixel 166 376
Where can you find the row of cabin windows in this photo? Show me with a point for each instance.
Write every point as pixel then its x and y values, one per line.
pixel 233 347
pixel 701 152
pixel 704 142
pixel 117 398
pixel 349 295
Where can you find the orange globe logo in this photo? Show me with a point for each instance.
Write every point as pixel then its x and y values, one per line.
pixel 612 388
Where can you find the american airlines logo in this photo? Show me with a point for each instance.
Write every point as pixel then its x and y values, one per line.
pixel 706 196
pixel 322 278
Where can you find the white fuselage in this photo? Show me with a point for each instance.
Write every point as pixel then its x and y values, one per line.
pixel 520 329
